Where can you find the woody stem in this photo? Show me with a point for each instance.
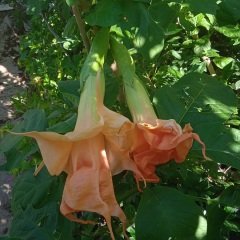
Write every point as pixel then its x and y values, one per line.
pixel 81 27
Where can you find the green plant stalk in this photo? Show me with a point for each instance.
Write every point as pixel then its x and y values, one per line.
pixel 91 75
pixel 95 59
pixel 136 95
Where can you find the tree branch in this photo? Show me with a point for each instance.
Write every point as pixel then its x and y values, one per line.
pixel 81 27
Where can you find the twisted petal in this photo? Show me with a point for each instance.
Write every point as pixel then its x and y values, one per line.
pixel 155 145
pixel 118 132
pixel 89 186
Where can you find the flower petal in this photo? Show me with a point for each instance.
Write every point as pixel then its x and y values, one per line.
pixel 155 145
pixel 55 149
pixel 89 184
pixel 118 132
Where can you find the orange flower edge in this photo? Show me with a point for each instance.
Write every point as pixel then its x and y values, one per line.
pixel 158 144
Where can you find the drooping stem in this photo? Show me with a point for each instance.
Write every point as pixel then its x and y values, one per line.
pixel 81 27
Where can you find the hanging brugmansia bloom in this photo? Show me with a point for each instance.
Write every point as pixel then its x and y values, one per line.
pixel 94 150
pixel 155 141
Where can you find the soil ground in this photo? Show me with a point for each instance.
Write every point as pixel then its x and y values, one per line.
pixel 11 84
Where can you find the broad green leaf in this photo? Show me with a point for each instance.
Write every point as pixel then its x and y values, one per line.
pixel 222 143
pixel 10 140
pixel 105 14
pixel 203 6
pixel 229 31
pixel 196 98
pixel 230 197
pixel 163 14
pixel 64 126
pixel 222 62
pixel 35 205
pixel 150 37
pixel 69 86
pixel 166 213
pixel 202 45
pixel 206 104
pixel 33 120
pixel 228 12
pixel 215 219
pixel 19 155
pixel 37 187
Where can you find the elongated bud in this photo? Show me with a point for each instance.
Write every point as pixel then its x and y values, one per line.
pixel 137 98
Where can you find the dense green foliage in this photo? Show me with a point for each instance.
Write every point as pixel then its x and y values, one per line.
pixel 187 55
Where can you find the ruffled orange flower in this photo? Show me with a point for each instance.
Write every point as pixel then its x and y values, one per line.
pixel 155 141
pixel 91 153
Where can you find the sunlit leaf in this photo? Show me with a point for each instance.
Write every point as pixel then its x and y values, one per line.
pixel 166 213
pixel 229 31
pixel 206 104
pixel 150 37
pixel 222 62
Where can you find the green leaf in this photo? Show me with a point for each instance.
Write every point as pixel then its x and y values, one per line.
pixel 196 98
pixel 69 86
pixel 105 14
pixel 222 62
pixel 65 126
pixel 202 45
pixel 230 197
pixel 203 6
pixel 37 189
pixel 228 12
pixel 163 15
pixel 18 156
pixel 229 31
pixel 166 213
pixel 35 206
pixel 150 37
pixel 206 104
pixel 10 140
pixel 215 219
pixel 33 120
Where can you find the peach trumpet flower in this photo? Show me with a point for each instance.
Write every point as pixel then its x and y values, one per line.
pixel 155 141
pixel 86 155
pixel 91 153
